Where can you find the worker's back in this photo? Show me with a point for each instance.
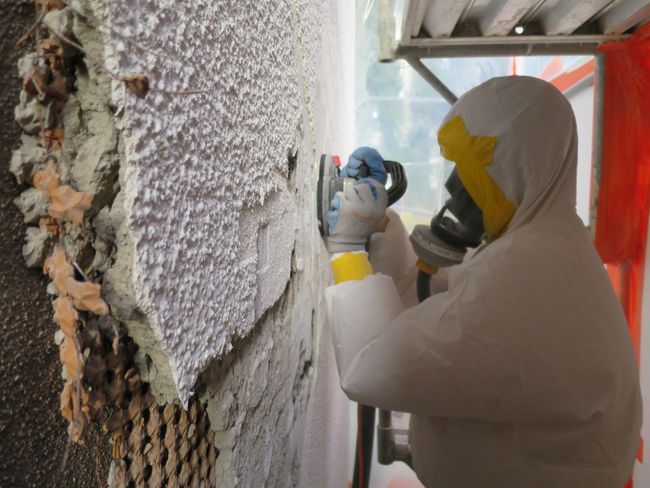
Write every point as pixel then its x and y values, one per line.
pixel 570 412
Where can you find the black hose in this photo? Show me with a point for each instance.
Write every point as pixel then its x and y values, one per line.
pixel 365 439
pixel 423 286
pixel 385 438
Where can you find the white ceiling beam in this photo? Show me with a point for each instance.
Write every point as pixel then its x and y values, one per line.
pixel 624 15
pixel 568 15
pixel 478 42
pixel 441 16
pixel 503 46
pixel 413 17
pixel 503 15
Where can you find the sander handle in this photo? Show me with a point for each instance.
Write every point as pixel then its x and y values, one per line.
pixel 398 181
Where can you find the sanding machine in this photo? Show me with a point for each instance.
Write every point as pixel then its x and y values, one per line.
pixel 330 182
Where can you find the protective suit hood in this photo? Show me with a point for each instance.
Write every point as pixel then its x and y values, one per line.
pixel 531 161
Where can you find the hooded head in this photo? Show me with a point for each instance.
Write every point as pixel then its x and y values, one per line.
pixel 513 140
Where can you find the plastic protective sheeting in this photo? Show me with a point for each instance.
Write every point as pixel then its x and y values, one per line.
pixel 624 193
pixel 521 373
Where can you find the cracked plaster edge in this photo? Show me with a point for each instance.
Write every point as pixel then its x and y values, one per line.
pixel 129 303
pixel 126 291
pixel 154 361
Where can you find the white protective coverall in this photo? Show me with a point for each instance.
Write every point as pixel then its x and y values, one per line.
pixel 522 373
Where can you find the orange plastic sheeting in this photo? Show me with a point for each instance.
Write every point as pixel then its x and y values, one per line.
pixel 624 195
pixel 552 69
pixel 566 80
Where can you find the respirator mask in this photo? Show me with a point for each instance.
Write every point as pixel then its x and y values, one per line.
pixel 457 226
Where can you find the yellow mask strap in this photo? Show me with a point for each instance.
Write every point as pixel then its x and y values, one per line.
pixel 472 155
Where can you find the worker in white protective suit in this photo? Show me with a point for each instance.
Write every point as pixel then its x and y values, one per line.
pixel 521 373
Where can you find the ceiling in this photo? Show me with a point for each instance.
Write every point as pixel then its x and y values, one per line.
pixel 441 28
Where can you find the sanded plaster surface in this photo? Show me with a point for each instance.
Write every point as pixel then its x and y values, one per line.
pixel 210 216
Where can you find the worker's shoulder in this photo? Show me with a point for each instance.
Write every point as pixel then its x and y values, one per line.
pixel 541 253
pixel 546 238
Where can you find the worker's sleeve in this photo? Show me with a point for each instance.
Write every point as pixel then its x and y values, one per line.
pixel 356 324
pixel 391 254
pixel 384 355
pixel 459 354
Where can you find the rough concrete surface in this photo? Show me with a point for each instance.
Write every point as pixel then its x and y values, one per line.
pixel 33 434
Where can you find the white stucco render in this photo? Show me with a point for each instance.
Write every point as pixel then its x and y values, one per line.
pixel 212 218
pixel 220 268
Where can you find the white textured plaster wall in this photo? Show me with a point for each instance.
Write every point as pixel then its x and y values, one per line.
pixel 211 216
pixel 220 247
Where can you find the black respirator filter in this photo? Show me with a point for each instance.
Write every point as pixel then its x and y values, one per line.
pixel 457 226
pixel 460 221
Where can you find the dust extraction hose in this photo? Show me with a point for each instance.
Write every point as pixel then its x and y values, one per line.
pixel 365 440
pixel 423 285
